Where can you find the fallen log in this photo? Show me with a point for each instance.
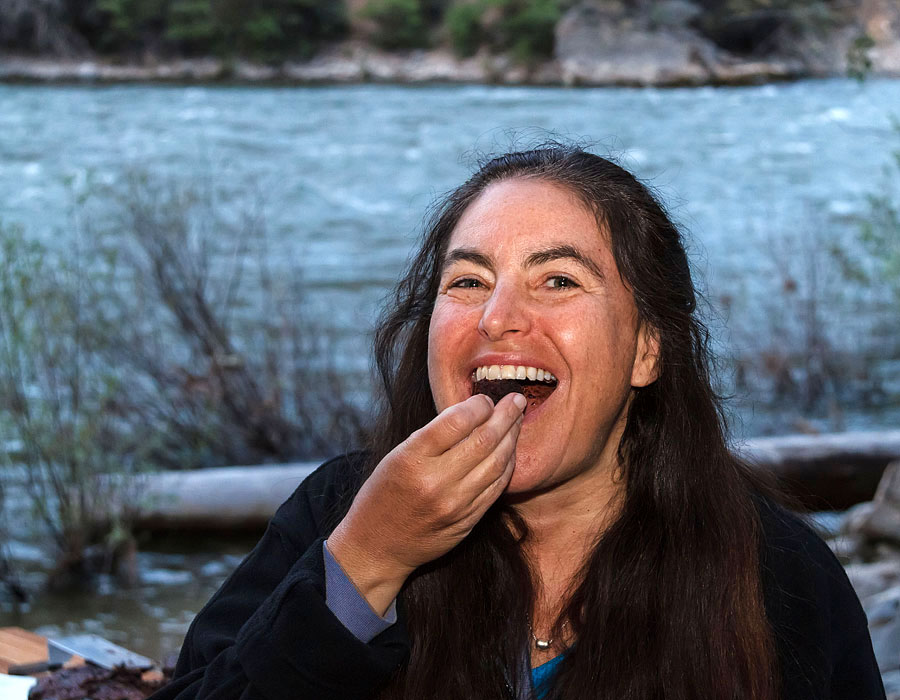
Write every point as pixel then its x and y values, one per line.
pixel 824 472
pixel 224 498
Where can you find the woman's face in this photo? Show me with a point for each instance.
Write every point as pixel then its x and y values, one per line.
pixel 530 281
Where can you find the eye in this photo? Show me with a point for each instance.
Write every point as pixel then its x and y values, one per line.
pixel 561 282
pixel 465 283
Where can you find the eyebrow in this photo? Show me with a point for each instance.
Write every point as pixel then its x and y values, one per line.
pixel 562 252
pixel 467 255
pixel 538 257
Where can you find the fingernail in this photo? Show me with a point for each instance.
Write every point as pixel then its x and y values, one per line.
pixel 520 401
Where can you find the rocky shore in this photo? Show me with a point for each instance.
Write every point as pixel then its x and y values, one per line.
pixel 596 43
pixel 867 541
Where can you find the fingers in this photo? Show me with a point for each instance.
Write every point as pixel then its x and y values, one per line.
pixel 484 439
pixel 493 489
pixel 494 464
pixel 453 425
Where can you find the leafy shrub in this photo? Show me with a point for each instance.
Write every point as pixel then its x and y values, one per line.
pixel 59 399
pixel 192 26
pixel 228 369
pixel 525 28
pixel 272 29
pixel 859 62
pixel 463 23
pixel 881 227
pixel 261 29
pixel 164 339
pixel 129 25
pixel 529 28
pixel 400 24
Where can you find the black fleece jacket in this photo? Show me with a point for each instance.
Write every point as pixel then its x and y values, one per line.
pixel 267 634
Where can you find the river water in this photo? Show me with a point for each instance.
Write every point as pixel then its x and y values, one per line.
pixel 764 180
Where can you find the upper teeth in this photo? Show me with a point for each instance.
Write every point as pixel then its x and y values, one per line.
pixel 513 372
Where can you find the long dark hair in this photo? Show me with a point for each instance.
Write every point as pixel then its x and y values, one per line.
pixel 669 603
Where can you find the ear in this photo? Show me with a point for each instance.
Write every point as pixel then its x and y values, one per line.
pixel 646 358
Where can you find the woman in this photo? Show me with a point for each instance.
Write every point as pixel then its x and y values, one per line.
pixel 589 537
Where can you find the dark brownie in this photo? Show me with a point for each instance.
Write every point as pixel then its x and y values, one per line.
pixel 95 683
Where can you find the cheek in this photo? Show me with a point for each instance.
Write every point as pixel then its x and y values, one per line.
pixel 444 338
pixel 597 346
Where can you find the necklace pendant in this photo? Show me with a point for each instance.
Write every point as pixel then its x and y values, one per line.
pixel 542 644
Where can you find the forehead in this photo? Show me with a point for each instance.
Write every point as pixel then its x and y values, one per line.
pixel 521 215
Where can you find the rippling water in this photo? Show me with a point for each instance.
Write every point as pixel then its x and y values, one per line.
pixel 345 174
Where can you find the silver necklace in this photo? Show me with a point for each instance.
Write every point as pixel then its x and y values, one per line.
pixel 543 644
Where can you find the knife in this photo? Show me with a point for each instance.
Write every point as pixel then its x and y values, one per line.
pixel 96 650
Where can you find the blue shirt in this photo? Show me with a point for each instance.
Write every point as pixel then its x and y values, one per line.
pixel 542 676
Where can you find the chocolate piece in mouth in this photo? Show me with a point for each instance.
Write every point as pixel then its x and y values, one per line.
pixel 496 389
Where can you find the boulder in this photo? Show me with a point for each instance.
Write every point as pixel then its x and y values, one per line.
pixel 874 578
pixel 879 520
pixel 891 681
pixel 884 628
pixel 601 42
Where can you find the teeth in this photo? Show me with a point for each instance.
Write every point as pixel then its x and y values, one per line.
pixel 512 372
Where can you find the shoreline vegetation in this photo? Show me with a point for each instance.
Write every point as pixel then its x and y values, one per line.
pixel 515 42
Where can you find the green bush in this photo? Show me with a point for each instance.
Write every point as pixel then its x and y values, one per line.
pixel 528 28
pixel 259 29
pixel 400 24
pixel 524 28
pixel 192 26
pixel 274 29
pixel 163 336
pixel 463 24
pixel 128 25
pixel 59 399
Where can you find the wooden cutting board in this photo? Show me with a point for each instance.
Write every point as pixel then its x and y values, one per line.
pixel 18 646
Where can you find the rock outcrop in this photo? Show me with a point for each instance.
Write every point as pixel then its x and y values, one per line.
pixel 676 43
pixel 868 542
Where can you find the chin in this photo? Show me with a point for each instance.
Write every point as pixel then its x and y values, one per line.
pixel 530 474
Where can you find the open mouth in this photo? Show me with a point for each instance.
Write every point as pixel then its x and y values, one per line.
pixel 496 381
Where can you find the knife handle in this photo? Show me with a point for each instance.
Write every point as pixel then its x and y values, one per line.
pixel 33 668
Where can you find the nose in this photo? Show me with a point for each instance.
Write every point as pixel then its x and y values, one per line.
pixel 505 314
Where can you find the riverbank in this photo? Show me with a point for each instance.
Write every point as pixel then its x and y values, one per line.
pixel 357 63
pixel 590 42
pixel 593 44
pixel 354 63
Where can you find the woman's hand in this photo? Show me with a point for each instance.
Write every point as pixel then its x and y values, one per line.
pixel 427 494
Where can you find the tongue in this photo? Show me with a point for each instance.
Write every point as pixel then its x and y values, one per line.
pixel 496 389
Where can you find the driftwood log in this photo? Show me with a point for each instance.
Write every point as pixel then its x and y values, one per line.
pixel 824 472
pixel 225 498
